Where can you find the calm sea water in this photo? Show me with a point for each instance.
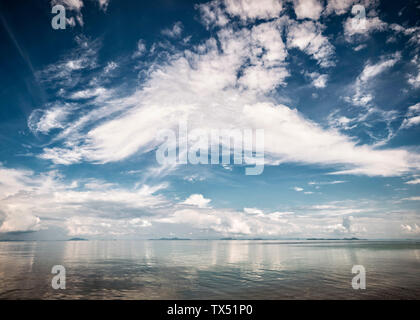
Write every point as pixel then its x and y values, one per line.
pixel 210 269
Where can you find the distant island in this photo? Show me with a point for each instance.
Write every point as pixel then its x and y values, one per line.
pixel 175 238
pixel 256 239
pixel 242 239
pixel 333 239
pixel 77 239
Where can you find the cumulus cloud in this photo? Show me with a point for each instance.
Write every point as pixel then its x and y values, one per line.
pixel 229 222
pixel 251 10
pixel 348 223
pixel 325 220
pixel 29 200
pixel 311 9
pixel 95 208
pixel 411 229
pixel 197 200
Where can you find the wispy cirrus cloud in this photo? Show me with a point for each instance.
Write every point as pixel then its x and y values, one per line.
pixel 205 74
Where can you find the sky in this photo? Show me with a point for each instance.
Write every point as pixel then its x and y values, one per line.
pixel 333 84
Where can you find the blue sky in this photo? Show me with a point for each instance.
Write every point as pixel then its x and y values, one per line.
pixel 81 108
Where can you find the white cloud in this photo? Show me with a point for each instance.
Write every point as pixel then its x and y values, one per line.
pixel 229 222
pixel 268 71
pixel 412 198
pixel 414 109
pixel 45 120
pixel 89 93
pixel 212 14
pixel 197 200
pixel 175 31
pixel 65 73
pixel 69 4
pixel 76 7
pixel 141 49
pixel 340 7
pixel 412 117
pixel 251 10
pixel 364 82
pixel 414 78
pixel 411 122
pixel 311 183
pixel 103 4
pixel 20 223
pixel 253 211
pixel 360 47
pixel 307 36
pixel 96 226
pixel 298 189
pixel 110 66
pixel 318 80
pixel 194 178
pixel 410 229
pixel 263 79
pixel 353 31
pixel 371 71
pixel 412 32
pixel 414 181
pixel 311 9
pixel 319 221
pixel 214 72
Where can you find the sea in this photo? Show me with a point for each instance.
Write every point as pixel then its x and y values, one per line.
pixel 210 269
